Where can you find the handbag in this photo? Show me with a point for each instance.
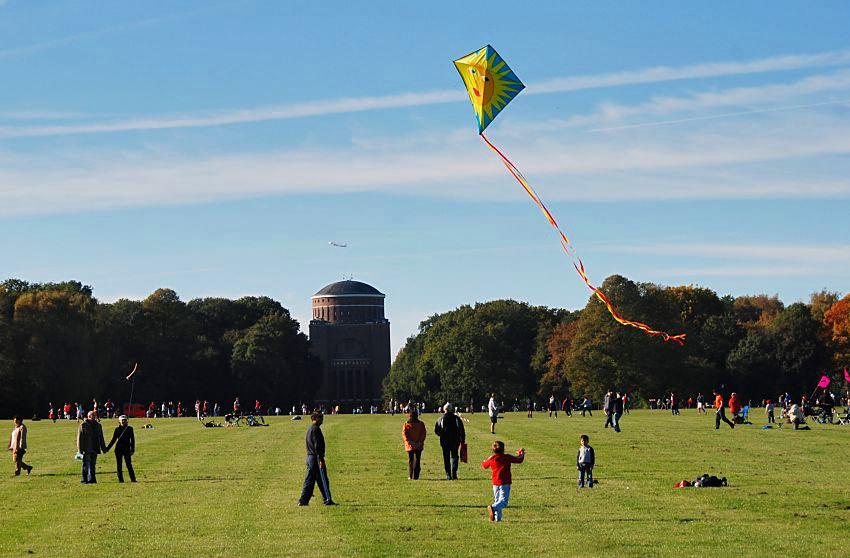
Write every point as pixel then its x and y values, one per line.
pixel 464 452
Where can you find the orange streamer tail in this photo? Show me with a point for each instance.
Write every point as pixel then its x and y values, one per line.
pixel 570 251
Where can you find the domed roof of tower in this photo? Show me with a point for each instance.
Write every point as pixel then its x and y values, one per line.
pixel 349 288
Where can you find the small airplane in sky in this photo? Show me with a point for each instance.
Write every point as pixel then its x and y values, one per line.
pixel 337 244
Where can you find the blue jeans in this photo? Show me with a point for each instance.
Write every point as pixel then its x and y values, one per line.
pixel 585 471
pixel 315 474
pixel 89 467
pixel 501 495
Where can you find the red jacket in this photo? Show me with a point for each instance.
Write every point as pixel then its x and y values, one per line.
pixel 734 404
pixel 500 463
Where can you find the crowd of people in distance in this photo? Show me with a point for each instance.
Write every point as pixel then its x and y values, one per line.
pixel 449 428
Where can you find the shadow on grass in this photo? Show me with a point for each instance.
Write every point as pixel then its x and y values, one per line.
pixel 198 479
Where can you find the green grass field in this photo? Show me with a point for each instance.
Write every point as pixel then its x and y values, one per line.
pixel 233 492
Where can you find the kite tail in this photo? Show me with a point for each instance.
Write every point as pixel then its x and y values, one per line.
pixel 570 251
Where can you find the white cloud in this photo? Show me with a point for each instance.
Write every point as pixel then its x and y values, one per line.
pixel 360 104
pixel 748 97
pixel 745 259
pixel 740 271
pixel 801 253
pixel 738 160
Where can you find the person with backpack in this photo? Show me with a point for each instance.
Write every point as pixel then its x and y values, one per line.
pixel 452 434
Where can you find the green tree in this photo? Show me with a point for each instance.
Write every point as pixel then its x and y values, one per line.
pixel 272 361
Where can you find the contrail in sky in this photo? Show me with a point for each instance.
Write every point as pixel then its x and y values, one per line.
pixel 361 104
pixel 716 116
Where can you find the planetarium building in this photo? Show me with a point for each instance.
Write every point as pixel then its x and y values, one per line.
pixel 351 335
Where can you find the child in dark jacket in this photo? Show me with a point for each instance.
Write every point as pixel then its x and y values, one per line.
pixel 585 460
pixel 500 463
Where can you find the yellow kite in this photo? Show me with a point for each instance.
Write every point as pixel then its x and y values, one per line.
pixel 491 84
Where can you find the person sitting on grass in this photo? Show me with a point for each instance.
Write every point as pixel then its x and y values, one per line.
pixel 585 460
pixel 500 464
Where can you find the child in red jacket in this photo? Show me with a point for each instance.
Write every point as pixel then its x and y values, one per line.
pixel 500 464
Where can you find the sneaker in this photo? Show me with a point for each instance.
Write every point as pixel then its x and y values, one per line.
pixel 491 513
pixel 331 503
pixel 29 470
pixel 302 503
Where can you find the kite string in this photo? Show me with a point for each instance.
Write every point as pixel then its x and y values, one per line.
pixel 569 249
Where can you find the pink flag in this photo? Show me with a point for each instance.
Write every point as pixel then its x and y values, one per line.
pixel 846 375
pixel 824 381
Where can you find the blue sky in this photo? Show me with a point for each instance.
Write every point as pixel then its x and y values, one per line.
pixel 217 147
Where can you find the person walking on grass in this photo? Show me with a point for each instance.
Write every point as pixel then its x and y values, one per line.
pixel 452 434
pixel 553 406
pixel 90 443
pixel 493 412
pixel 500 465
pixel 701 403
pixel 413 433
pixel 586 407
pixel 125 446
pixel 317 470
pixel 18 446
pixel 618 410
pixel 720 412
pixel 608 407
pixel 585 460
pixel 769 410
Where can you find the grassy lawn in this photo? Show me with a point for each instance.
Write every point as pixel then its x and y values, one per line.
pixel 233 492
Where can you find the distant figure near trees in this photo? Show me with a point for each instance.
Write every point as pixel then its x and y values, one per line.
pixel 18 446
pixel 492 412
pixel 720 412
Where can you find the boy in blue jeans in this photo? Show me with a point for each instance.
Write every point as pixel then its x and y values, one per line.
pixel 500 463
pixel 585 460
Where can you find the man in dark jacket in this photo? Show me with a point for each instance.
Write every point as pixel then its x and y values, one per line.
pixel 618 410
pixel 90 443
pixel 316 469
pixel 125 446
pixel 450 429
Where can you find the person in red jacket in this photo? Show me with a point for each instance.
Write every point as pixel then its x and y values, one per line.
pixel 734 406
pixel 413 433
pixel 500 464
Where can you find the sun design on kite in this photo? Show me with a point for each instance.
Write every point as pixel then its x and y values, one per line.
pixel 491 84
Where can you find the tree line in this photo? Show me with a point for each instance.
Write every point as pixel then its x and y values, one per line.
pixel 58 343
pixel 755 345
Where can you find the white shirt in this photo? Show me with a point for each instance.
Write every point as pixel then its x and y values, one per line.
pixel 491 408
